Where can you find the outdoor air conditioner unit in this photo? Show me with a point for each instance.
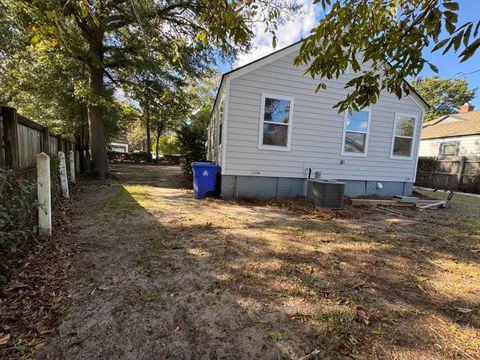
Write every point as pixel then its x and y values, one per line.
pixel 325 193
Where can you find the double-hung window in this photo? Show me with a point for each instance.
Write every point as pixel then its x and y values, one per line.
pixel 275 122
pixel 449 148
pixel 403 135
pixel 355 133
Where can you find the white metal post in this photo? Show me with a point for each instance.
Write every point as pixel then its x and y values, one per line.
pixel 44 195
pixel 63 175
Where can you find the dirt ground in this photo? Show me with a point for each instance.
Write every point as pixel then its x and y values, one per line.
pixel 160 275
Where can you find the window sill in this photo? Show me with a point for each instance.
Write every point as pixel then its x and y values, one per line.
pixel 396 157
pixel 274 148
pixel 363 155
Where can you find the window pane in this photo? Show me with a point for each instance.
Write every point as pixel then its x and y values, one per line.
pixel 277 110
pixel 449 149
pixel 355 142
pixel 405 126
pixel 274 134
pixel 357 121
pixel 402 146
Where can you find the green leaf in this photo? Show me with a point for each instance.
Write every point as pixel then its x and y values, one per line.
pixel 470 50
pixel 451 5
pixel 433 68
pixel 440 44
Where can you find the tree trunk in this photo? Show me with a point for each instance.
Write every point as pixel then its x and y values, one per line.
pixel 95 111
pixel 156 147
pixel 149 140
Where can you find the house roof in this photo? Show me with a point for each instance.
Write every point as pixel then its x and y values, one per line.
pixel 469 124
pixel 272 56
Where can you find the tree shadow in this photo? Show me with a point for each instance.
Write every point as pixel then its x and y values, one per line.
pixel 205 280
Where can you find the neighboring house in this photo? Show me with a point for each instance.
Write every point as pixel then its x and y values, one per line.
pixel 270 130
pixel 452 135
pixel 119 146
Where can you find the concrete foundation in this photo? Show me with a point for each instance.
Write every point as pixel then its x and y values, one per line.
pixel 233 186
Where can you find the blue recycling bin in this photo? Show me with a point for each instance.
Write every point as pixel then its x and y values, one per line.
pixel 204 178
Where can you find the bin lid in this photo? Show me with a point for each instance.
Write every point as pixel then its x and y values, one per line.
pixel 204 164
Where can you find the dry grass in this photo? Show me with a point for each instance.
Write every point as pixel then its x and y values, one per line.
pixel 277 279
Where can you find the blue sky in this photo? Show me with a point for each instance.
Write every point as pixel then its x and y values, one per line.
pixel 448 65
pixel 293 30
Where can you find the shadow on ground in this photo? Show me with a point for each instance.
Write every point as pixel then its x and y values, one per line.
pixel 161 275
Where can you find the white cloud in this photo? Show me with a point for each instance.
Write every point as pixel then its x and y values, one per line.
pixel 291 31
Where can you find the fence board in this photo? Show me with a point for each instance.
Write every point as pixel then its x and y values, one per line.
pixel 451 172
pixel 29 145
pixel 53 145
pixel 2 145
pixel 22 139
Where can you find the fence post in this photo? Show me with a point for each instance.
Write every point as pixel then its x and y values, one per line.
pixel 77 161
pixel 44 195
pixel 72 165
pixel 63 175
pixel 461 170
pixel 46 140
pixel 10 137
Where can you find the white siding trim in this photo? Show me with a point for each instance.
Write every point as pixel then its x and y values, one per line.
pixel 414 137
pixel 290 122
pixel 420 128
pixel 347 153
pixel 265 61
pixel 225 125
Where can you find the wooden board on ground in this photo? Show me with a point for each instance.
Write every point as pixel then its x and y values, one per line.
pixel 381 202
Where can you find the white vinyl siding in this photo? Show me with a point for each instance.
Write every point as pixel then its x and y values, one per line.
pixel 316 131
pixel 216 129
pixel 467 145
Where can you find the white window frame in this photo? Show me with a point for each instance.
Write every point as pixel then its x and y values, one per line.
pixel 442 144
pixel 412 150
pixel 290 122
pixel 344 136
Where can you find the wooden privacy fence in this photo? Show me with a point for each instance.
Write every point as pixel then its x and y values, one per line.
pixel 21 140
pixel 450 172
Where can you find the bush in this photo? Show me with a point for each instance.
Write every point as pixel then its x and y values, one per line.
pixel 191 141
pixel 17 210
pixel 427 164
pixel 167 145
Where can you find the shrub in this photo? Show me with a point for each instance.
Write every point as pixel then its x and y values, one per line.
pixel 427 164
pixel 17 210
pixel 167 145
pixel 191 139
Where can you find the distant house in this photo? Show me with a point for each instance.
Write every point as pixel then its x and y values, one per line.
pixel 452 135
pixel 119 146
pixel 269 131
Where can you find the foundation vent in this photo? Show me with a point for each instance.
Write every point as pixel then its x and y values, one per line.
pixel 325 193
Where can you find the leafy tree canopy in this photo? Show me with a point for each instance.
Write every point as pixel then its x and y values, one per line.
pixel 444 95
pixel 391 35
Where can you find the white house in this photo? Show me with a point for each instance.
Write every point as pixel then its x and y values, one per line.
pixel 452 135
pixel 270 130
pixel 119 146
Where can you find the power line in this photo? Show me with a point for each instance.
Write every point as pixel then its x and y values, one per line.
pixel 461 73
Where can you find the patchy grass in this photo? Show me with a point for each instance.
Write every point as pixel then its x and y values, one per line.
pixel 160 295
pixel 277 336
pixel 277 279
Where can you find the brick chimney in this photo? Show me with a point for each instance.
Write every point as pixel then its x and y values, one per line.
pixel 466 108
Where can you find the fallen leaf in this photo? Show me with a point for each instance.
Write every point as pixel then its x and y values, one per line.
pixel 363 315
pixel 4 338
pixel 464 310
